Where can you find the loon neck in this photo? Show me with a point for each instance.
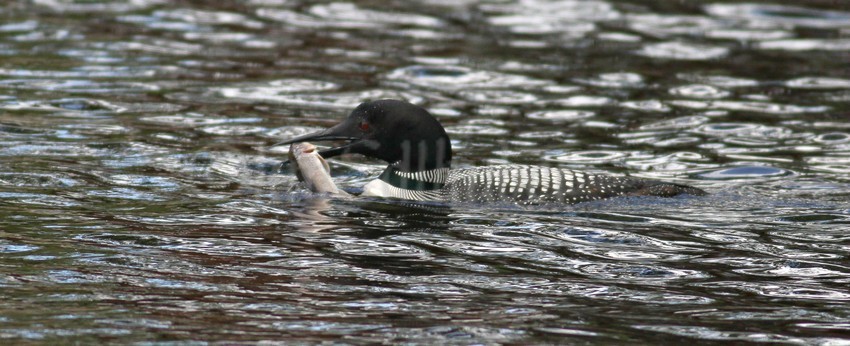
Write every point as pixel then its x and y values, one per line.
pixel 433 179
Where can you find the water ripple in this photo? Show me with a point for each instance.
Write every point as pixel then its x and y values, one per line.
pixel 28 25
pixel 498 97
pixel 567 18
pixel 275 90
pixel 347 15
pixel 36 180
pixel 646 106
pixel 615 80
pixel 781 15
pixel 108 6
pixel 785 291
pixel 83 72
pixel 719 81
pixel 460 78
pixel 720 335
pixel 141 197
pixel 78 86
pixel 683 51
pixel 799 45
pixel 587 156
pixel 751 106
pixel 208 17
pixel 561 115
pixel 746 172
pixel 700 91
pixel 818 83
pixel 667 25
pixel 283 95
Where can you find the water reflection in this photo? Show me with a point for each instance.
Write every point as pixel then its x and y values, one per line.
pixel 141 199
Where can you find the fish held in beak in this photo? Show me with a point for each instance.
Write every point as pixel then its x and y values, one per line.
pixel 312 169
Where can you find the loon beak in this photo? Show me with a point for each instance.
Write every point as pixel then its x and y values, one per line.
pixel 339 132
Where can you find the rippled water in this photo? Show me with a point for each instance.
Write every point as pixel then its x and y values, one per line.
pixel 141 199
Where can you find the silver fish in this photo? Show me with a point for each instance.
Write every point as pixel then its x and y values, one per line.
pixel 312 169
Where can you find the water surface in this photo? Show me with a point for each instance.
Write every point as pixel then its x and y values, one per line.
pixel 141 199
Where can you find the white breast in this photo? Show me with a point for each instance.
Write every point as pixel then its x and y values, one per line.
pixel 380 188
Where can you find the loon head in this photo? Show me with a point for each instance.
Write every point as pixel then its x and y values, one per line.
pixel 405 135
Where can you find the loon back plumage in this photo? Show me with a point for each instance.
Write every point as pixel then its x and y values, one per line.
pixel 523 184
pixel 519 184
pixel 418 151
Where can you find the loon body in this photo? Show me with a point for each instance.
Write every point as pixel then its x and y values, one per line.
pixel 418 151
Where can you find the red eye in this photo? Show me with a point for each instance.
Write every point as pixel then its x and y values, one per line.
pixel 364 126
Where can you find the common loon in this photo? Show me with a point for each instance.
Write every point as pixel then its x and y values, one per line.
pixel 419 154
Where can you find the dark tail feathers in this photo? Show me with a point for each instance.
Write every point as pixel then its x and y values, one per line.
pixel 662 189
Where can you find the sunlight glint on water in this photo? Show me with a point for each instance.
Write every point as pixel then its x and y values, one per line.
pixel 141 199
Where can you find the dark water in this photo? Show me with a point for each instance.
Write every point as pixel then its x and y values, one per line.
pixel 140 199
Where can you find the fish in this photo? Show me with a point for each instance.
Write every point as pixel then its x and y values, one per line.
pixel 312 169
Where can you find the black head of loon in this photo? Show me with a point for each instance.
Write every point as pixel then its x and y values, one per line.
pixel 405 135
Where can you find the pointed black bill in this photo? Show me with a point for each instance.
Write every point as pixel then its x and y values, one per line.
pixel 338 132
pixel 331 134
